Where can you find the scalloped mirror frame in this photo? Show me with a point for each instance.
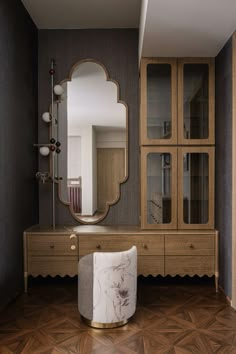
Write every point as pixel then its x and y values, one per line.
pixel 117 198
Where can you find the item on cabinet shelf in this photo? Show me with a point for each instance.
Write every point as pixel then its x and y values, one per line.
pixel 156 208
pixel 107 288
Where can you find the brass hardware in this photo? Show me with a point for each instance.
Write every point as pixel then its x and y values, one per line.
pixel 103 325
pixel 145 246
pixel 73 247
pixel 72 236
pixel 98 247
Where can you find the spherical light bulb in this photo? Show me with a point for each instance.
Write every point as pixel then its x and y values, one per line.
pixel 58 90
pixel 44 150
pixel 46 117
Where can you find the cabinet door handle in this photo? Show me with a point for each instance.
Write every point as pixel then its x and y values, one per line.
pixel 98 247
pixel 72 236
pixel 145 246
pixel 52 246
pixel 73 247
pixel 191 245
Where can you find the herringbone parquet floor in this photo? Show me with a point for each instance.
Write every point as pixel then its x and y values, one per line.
pixel 171 318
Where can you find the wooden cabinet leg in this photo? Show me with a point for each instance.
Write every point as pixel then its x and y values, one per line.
pixel 217 281
pixel 26 282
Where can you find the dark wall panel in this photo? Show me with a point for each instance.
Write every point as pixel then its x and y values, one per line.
pixel 223 210
pixel 18 132
pixel 118 51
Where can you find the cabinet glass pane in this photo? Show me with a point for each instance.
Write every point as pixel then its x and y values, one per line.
pixel 196 82
pixel 159 188
pixel 159 101
pixel 195 188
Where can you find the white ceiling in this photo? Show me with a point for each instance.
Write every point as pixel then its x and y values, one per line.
pixel 181 28
pixel 167 27
pixel 68 14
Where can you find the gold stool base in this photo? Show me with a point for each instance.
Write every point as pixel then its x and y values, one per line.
pixel 103 325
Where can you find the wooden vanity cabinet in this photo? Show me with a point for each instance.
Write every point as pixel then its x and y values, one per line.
pixel 50 252
pixel 57 252
pixel 177 137
pixel 159 252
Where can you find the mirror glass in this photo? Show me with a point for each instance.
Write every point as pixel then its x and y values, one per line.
pixel 92 129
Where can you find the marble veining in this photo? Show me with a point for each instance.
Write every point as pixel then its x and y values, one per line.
pixel 114 285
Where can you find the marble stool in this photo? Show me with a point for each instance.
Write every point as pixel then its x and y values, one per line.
pixel 107 288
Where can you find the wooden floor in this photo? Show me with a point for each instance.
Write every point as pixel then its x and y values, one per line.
pixel 171 318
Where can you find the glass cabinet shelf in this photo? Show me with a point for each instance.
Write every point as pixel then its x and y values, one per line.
pixel 177 187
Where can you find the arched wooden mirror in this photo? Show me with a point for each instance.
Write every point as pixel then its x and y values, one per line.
pixel 92 126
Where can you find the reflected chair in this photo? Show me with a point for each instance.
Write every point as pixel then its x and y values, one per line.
pixel 107 288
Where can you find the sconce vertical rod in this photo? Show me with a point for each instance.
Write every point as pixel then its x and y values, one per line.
pixel 57 138
pixel 53 154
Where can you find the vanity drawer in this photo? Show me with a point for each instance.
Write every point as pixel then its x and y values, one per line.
pixel 146 244
pixel 52 245
pixel 190 244
pixel 190 265
pixel 53 266
pixel 151 265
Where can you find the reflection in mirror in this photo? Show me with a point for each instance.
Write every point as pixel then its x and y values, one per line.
pixel 93 131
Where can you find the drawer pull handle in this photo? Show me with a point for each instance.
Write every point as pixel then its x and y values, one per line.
pixel 52 246
pixel 72 237
pixel 191 245
pixel 145 246
pixel 98 247
pixel 73 247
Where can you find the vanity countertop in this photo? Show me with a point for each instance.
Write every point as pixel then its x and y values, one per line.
pixel 105 229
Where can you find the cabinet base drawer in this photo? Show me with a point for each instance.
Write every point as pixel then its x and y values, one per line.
pixel 151 265
pixel 53 266
pixel 146 244
pixel 52 245
pixel 190 265
pixel 190 245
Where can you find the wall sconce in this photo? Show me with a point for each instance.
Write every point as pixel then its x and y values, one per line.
pixel 46 117
pixel 44 150
pixel 58 90
pixel 54 146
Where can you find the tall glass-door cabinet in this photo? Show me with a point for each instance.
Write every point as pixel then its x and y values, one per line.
pixel 177 143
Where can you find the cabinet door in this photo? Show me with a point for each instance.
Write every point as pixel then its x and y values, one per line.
pixel 196 97
pixel 196 187
pixel 158 102
pixel 159 188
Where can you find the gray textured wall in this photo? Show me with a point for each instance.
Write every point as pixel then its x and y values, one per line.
pixel 118 51
pixel 18 160
pixel 223 210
